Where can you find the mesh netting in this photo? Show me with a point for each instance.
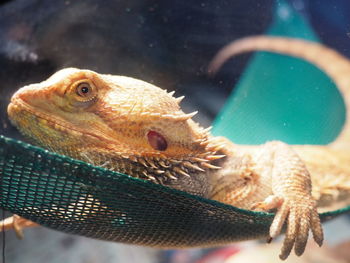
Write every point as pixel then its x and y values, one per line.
pixel 78 198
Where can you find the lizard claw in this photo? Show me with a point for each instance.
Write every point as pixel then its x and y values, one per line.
pixel 301 216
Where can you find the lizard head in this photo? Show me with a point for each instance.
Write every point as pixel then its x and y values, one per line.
pixel 96 118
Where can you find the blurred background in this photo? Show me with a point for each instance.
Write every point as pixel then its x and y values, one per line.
pixel 167 43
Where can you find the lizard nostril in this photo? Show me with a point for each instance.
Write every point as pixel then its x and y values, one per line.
pixel 157 141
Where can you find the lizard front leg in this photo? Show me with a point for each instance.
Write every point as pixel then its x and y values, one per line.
pixel 291 187
pixel 17 223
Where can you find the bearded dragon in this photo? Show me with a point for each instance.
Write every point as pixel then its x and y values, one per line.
pixel 133 127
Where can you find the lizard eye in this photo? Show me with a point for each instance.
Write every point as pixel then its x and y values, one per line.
pixel 82 94
pixel 157 141
pixel 83 89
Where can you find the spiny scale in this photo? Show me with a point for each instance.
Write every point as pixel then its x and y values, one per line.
pixel 160 170
pixel 180 117
pixel 170 176
pixel 215 157
pixel 179 99
pixel 171 93
pixel 176 117
pixel 210 166
pixel 192 166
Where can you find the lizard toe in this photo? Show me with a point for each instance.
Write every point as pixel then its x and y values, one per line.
pixel 271 202
pixel 316 227
pixel 303 221
pixel 308 219
pixel 291 232
pixel 279 220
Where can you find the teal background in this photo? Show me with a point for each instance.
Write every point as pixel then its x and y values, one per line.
pixel 283 98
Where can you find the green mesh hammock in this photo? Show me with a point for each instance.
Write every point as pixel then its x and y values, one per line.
pixel 78 198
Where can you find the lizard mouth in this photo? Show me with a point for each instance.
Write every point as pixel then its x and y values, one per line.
pixel 17 105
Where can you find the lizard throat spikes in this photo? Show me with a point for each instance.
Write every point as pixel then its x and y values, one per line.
pixel 156 169
pixel 161 169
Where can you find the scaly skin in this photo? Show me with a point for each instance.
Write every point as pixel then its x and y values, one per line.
pixel 133 127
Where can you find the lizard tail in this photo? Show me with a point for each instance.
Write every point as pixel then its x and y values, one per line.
pixel 335 65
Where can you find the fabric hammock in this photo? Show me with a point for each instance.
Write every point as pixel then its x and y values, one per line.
pixel 78 198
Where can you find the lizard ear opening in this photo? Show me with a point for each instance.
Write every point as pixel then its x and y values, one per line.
pixel 157 141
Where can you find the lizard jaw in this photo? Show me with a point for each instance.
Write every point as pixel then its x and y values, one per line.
pixel 21 114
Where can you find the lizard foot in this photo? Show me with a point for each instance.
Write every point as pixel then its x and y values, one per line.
pixel 300 215
pixel 16 223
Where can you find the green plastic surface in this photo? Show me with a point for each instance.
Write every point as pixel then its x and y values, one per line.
pixel 282 98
